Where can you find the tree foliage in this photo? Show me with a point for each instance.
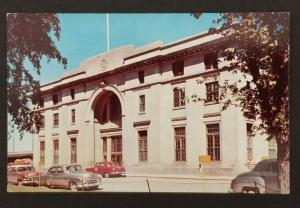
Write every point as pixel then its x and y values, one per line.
pixel 29 39
pixel 262 56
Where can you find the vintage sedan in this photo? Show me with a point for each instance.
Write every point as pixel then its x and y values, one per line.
pixel 22 174
pixel 262 179
pixel 72 177
pixel 107 169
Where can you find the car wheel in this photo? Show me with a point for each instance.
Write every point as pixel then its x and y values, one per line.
pixel 48 183
pixel 106 175
pixel 19 182
pixel 72 186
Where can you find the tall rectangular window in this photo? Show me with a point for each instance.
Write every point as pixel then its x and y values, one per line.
pixel 55 120
pixel 42 152
pixel 178 68
pixel 249 142
pixel 212 92
pixel 213 141
pixel 104 149
pixel 72 94
pixel 143 146
pixel 180 147
pixel 73 119
pixel 42 122
pixel 73 150
pixel 55 151
pixel 141 76
pixel 179 97
pixel 211 61
pixel 55 99
pixel 272 149
pixel 142 103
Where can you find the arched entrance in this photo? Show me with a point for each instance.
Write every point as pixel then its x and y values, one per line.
pixel 108 118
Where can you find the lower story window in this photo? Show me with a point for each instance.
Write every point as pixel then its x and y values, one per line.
pixel 73 150
pixel 143 149
pixel 55 151
pixel 213 141
pixel 42 152
pixel 180 147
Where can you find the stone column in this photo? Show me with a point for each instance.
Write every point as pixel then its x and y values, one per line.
pixel 108 140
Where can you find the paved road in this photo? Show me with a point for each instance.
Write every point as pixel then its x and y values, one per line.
pixel 161 184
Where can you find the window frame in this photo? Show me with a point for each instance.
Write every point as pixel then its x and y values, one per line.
pixel 55 99
pixel 215 150
pixel 73 153
pixel 73 116
pixel 178 68
pixel 42 152
pixel 55 151
pixel 143 145
pixel 210 60
pixel 212 88
pixel 179 97
pixel 250 135
pixel 141 76
pixel 180 144
pixel 72 93
pixel 55 119
pixel 142 103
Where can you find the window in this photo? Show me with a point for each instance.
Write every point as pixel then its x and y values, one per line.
pixel 211 61
pixel 272 149
pixel 42 122
pixel 73 150
pixel 141 76
pixel 180 150
pixel 73 116
pixel 249 142
pixel 55 120
pixel 55 99
pixel 42 152
pixel 55 151
pixel 143 149
pixel 116 149
pixel 213 141
pixel 41 102
pixel 104 149
pixel 178 68
pixel 212 92
pixel 142 103
pixel 179 97
pixel 72 94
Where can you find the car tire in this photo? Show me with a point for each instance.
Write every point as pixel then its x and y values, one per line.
pixel 72 186
pixel 106 175
pixel 19 183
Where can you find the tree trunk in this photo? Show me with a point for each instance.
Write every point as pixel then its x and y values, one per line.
pixel 283 160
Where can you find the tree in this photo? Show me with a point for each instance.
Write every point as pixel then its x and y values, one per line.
pixel 262 56
pixel 28 40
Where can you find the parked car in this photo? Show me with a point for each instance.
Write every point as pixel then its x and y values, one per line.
pixel 107 169
pixel 262 179
pixel 23 173
pixel 72 177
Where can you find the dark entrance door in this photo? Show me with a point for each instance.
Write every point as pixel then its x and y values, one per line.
pixel 116 149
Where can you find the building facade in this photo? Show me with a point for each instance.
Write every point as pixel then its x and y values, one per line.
pixel 136 106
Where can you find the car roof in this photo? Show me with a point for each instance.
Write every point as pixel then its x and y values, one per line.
pixel 63 165
pixel 268 161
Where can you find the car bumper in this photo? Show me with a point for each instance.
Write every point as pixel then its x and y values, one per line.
pixel 118 173
pixel 29 181
pixel 88 185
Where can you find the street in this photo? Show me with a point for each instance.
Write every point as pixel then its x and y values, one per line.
pixel 164 184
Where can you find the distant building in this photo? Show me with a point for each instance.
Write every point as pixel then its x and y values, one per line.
pixel 128 105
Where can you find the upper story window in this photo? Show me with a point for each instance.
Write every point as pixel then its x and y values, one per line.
pixel 142 103
pixel 42 122
pixel 178 68
pixel 41 102
pixel 55 99
pixel 212 92
pixel 141 77
pixel 249 142
pixel 55 120
pixel 211 61
pixel 72 94
pixel 73 117
pixel 179 97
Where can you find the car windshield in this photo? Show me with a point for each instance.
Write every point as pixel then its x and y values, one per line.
pixel 25 168
pixel 74 168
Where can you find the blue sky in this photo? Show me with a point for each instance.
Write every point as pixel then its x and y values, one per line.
pixel 84 36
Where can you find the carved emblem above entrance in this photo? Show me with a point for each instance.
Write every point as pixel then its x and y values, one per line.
pixel 103 64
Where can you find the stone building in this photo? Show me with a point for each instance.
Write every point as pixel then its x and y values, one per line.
pixel 132 105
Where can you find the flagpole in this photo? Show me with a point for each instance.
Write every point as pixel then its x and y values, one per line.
pixel 107 31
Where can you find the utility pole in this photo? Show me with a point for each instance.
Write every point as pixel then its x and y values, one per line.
pixel 107 31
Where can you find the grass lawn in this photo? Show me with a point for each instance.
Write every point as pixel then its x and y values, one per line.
pixel 28 188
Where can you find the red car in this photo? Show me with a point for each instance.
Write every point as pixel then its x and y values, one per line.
pixel 22 173
pixel 107 169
